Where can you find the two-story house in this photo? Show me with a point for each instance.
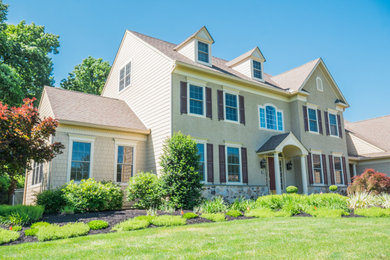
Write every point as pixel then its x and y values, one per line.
pixel 256 133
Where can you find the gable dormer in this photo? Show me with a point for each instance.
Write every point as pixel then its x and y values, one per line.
pixel 251 64
pixel 197 47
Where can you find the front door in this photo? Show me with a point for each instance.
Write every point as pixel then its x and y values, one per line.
pixel 271 174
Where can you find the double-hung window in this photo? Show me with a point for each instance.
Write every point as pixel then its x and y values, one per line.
pixel 257 71
pixel 317 169
pixel 81 161
pixel 37 173
pixel 333 124
pixel 196 100
pixel 231 107
pixel 233 164
pixel 202 162
pixel 203 52
pixel 338 170
pixel 312 117
pixel 271 118
pixel 124 76
pixel 125 163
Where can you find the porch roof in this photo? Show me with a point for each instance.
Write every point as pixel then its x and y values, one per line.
pixel 276 143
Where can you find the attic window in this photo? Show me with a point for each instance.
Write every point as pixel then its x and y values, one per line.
pixel 319 84
pixel 257 71
pixel 203 52
pixel 124 76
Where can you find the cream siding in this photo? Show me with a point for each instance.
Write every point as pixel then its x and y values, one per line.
pixel 189 50
pixel 359 146
pixel 45 109
pixel 244 68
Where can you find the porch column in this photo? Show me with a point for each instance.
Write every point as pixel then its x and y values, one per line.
pixel 304 175
pixel 277 173
pixel 354 169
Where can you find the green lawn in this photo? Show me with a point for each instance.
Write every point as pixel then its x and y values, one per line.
pixel 309 238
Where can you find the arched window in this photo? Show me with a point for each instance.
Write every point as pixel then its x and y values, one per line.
pixel 319 84
pixel 271 118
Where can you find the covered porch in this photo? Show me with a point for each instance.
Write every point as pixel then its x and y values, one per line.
pixel 284 158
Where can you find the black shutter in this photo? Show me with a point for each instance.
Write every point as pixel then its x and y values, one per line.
pixel 319 121
pixel 310 168
pixel 305 121
pixel 339 124
pixel 222 167
pixel 326 122
pixel 242 110
pixel 331 169
pixel 220 104
pixel 244 161
pixel 183 97
pixel 345 171
pixel 209 112
pixel 324 168
pixel 210 163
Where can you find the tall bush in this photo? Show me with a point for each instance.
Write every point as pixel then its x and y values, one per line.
pixel 52 200
pixel 144 190
pixel 180 178
pixel 370 181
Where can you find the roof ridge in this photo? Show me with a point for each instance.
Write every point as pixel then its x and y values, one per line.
pixel 82 93
pixel 296 67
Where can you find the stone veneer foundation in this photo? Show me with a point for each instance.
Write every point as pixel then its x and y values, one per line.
pixel 233 192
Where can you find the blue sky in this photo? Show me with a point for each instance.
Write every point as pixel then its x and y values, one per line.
pixel 353 37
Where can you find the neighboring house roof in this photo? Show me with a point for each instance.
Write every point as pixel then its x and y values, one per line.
pixel 87 109
pixel 374 132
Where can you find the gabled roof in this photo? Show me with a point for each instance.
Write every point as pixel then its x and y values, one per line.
pixel 276 143
pixel 194 35
pixel 92 110
pixel 245 56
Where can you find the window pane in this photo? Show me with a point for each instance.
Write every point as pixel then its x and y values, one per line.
pixel 280 121
pixel 125 163
pixel 196 100
pixel 79 171
pixel 231 107
pixel 313 120
pixel 231 100
pixel 203 47
pixel 257 65
pixel 271 117
pixel 201 161
pixel 262 117
pixel 203 52
pixel 333 124
pixel 203 57
pixel 257 70
pixel 233 162
pixel 317 168
pixel 81 153
pixel 338 170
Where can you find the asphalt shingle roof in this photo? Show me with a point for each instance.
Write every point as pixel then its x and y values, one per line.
pixel 272 143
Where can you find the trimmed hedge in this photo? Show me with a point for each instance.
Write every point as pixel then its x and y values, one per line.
pixel 373 212
pixel 131 224
pixel 190 215
pixel 234 213
pixel 97 224
pixel 53 232
pixel 215 217
pixel 167 220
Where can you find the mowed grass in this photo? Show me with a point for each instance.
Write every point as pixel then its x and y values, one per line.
pixel 289 238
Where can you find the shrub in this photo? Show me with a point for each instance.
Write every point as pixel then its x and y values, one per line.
pixel 30 232
pixel 7 236
pixel 20 214
pixel 267 213
pixel 333 188
pixel 327 213
pixel 216 217
pixel 216 205
pixel 131 224
pixel 270 201
pixel 90 195
pixel 167 220
pixel 144 190
pixel 16 228
pixel 53 232
pixel 234 213
pixel 373 212
pixel 40 224
pixel 189 215
pixel 147 218
pixel 97 224
pixel 243 205
pixel 370 181
pixel 291 189
pixel 181 181
pixel 52 200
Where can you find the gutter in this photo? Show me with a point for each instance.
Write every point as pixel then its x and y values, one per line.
pixel 115 128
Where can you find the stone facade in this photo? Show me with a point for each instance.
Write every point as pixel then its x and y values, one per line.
pixel 325 189
pixel 233 192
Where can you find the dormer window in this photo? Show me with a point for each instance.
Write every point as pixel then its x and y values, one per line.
pixel 203 52
pixel 257 71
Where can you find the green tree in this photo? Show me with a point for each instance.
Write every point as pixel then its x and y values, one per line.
pixel 88 77
pixel 180 166
pixel 24 56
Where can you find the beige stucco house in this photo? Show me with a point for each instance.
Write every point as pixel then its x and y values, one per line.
pixel 256 133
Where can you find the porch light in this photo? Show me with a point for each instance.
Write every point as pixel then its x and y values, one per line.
pixel 289 165
pixel 263 164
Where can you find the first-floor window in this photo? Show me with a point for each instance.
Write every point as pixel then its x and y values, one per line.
pixel 202 164
pixel 233 164
pixel 37 173
pixel 317 169
pixel 125 163
pixel 338 170
pixel 81 160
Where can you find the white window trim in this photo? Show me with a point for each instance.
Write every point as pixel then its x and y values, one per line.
pixel 32 176
pixel 342 169
pixel 131 78
pixel 318 79
pixel 121 142
pixel 308 119
pixel 337 124
pixel 84 139
pixel 224 106
pixel 265 111
pixel 188 99
pixel 232 145
pixel 322 168
pixel 196 54
pixel 204 142
pixel 262 71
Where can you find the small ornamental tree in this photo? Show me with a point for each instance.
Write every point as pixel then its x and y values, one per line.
pixel 370 181
pixel 24 137
pixel 181 179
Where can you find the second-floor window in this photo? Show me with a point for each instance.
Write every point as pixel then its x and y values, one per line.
pixel 271 118
pixel 231 107
pixel 313 123
pixel 203 52
pixel 124 76
pixel 196 100
pixel 257 71
pixel 333 127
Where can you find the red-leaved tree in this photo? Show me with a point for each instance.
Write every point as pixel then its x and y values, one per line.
pixel 24 137
pixel 370 181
